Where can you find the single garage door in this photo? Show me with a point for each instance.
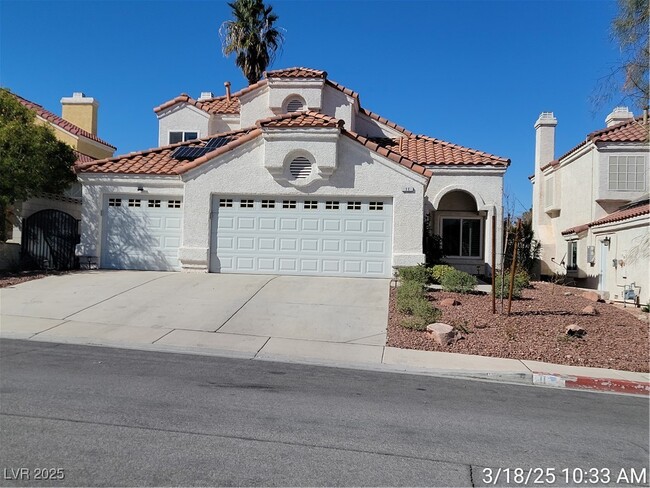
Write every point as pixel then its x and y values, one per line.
pixel 301 236
pixel 141 232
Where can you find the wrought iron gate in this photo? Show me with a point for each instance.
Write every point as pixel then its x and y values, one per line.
pixel 49 239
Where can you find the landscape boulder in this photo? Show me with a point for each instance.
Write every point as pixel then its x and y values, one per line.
pixel 443 334
pixel 592 295
pixel 589 310
pixel 449 302
pixel 574 330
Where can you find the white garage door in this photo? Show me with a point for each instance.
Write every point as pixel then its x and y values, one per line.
pixel 296 236
pixel 141 232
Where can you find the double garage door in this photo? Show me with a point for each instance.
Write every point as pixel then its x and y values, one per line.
pixel 141 232
pixel 251 234
pixel 301 236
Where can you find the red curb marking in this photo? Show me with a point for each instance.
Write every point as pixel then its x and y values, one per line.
pixel 608 384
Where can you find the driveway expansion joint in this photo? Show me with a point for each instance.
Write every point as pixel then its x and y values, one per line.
pixel 245 303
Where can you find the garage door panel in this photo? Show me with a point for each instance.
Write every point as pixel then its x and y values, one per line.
pixel 302 236
pixel 140 233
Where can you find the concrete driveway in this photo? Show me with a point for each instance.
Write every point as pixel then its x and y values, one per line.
pixel 246 315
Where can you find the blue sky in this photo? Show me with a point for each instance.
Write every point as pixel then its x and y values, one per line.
pixel 475 73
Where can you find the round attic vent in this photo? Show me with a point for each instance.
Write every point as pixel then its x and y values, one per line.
pixel 300 167
pixel 295 105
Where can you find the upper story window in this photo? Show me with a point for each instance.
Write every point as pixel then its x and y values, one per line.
pixel 627 173
pixel 294 104
pixel 180 136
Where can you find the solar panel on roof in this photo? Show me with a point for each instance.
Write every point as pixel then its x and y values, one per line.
pixel 216 142
pixel 190 153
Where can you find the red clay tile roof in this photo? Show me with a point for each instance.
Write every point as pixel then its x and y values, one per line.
pixel 633 130
pixel 429 151
pixel 58 121
pixel 300 119
pixel 295 72
pixel 217 105
pixel 575 230
pixel 384 121
pixel 82 158
pixel 159 161
pixel 632 210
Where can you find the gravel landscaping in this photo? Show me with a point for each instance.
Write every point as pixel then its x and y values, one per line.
pixel 535 329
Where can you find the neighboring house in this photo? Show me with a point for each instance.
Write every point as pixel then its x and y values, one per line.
pixel 590 206
pixel 77 127
pixel 290 175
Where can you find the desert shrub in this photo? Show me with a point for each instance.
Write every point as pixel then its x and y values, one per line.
pixel 522 280
pixel 415 323
pixel 419 273
pixel 407 294
pixel 458 281
pixel 439 270
pixel 425 310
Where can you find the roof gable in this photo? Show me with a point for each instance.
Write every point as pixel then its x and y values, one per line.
pixel 59 121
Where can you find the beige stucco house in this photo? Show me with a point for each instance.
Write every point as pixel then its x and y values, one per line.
pixel 77 127
pixel 290 175
pixel 590 206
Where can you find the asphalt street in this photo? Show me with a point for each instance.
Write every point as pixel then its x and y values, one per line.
pixel 103 416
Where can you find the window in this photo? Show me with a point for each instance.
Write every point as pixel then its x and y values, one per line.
pixel 354 205
pixel 331 205
pixel 174 204
pixel 246 204
pixel 310 205
pixel 268 203
pixel 225 202
pixel 133 202
pixel 154 204
pixel 180 136
pixel 376 206
pixel 288 204
pixel 114 202
pixel 461 237
pixel 572 256
pixel 627 173
pixel 300 167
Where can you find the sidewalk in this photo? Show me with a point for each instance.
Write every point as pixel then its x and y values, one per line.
pixel 369 354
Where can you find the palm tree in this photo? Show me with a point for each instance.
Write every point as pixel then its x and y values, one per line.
pixel 251 36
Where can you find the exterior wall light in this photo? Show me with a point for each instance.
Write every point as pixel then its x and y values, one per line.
pixel 607 241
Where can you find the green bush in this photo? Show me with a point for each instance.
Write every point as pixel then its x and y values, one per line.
pixel 458 281
pixel 423 309
pixel 438 271
pixel 415 323
pixel 522 280
pixel 419 273
pixel 407 294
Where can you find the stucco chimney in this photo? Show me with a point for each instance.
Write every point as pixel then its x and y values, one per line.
pixel 81 111
pixel 545 139
pixel 227 85
pixel 206 96
pixel 618 115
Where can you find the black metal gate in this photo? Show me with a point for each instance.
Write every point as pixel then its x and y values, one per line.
pixel 49 239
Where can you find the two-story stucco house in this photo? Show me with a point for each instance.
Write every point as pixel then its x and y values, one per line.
pixel 290 175
pixel 590 206
pixel 77 127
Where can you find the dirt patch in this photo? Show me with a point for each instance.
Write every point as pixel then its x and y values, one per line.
pixel 536 329
pixel 11 279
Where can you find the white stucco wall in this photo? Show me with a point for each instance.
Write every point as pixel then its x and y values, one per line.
pixel 486 186
pixel 630 247
pixel 223 123
pixel 339 105
pixel 254 106
pixel 182 117
pixel 369 127
pixel 359 172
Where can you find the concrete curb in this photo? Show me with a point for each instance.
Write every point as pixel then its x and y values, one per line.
pixel 592 384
